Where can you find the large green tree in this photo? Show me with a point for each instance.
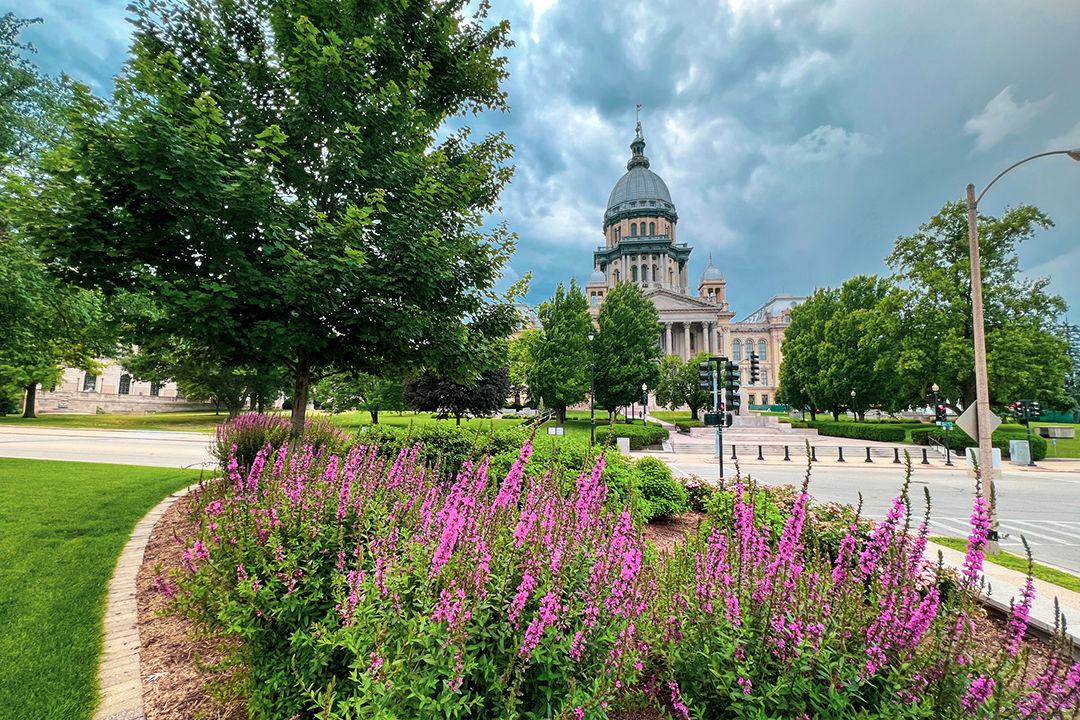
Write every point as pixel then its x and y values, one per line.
pixel 802 380
pixel 286 181
pixel 342 393
pixel 522 353
pixel 561 372
pixel 679 383
pixel 627 347
pixel 1026 358
pixel 484 395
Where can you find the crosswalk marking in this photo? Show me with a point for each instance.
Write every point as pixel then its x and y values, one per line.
pixel 1061 532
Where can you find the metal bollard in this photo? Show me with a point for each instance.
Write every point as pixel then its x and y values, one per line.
pixel 786 456
pixel 924 460
pixel 868 456
pixel 896 455
pixel 813 453
pixel 759 455
pixel 733 455
pixel 841 449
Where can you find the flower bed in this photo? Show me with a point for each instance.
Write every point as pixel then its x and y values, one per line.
pixel 362 586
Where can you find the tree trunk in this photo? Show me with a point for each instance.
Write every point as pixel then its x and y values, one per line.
pixel 374 417
pixel 560 414
pixel 862 416
pixel 31 401
pixel 261 405
pixel 693 413
pixel 836 415
pixel 458 419
pixel 301 386
pixel 813 414
pixel 217 405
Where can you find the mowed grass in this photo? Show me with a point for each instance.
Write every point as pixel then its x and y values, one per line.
pixel 1015 562
pixel 1066 447
pixel 62 527
pixel 186 421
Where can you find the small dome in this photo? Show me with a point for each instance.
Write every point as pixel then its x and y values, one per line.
pixel 712 273
pixel 597 277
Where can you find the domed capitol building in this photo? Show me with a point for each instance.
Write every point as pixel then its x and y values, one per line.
pixel 641 246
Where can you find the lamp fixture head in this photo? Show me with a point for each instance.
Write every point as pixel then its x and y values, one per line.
pixel 935 387
pixel 1074 154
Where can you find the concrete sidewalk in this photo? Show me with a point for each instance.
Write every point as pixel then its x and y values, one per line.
pixel 1003 585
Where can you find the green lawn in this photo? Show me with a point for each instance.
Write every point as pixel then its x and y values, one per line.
pixel 1015 562
pixel 189 421
pixel 1066 447
pixel 62 527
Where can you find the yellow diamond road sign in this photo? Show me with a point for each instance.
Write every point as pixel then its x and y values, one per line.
pixel 969 422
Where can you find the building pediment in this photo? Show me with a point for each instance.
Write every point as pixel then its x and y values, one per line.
pixel 666 301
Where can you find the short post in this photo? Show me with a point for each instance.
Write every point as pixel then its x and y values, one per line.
pixel 868 456
pixel 786 456
pixel 948 454
pixel 896 455
pixel 759 455
pixel 924 460
pixel 841 449
pixel 813 453
pixel 733 455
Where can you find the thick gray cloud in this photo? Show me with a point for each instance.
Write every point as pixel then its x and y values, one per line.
pixel 798 138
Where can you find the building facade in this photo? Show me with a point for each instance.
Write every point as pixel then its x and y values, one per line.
pixel 113 391
pixel 641 246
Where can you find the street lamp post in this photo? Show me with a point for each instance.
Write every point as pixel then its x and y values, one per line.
pixel 592 393
pixel 982 385
pixel 854 411
pixel 644 403
pixel 944 424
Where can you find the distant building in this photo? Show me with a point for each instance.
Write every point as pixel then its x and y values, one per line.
pixel 113 391
pixel 641 247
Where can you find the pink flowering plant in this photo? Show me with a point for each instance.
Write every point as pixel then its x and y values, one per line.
pixel 757 623
pixel 362 586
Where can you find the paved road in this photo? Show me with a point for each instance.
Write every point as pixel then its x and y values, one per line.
pixel 126 447
pixel 1042 506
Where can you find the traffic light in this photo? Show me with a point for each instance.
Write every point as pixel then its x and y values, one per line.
pixel 754 369
pixel 1034 410
pixel 939 413
pixel 705 371
pixel 731 386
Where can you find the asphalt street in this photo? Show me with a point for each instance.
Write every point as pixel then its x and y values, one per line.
pixel 125 447
pixel 1043 506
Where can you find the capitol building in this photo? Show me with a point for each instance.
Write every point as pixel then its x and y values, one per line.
pixel 641 246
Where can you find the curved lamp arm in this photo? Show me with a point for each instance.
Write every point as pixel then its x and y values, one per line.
pixel 1074 154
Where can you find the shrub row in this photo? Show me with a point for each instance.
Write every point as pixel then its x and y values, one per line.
pixel 881 432
pixel 959 440
pixel 685 425
pixel 641 436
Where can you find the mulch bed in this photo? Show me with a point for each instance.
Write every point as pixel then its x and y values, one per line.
pixel 175 688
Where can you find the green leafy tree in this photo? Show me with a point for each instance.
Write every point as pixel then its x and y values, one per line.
pixel 342 393
pixel 430 393
pixel 679 383
pixel 45 324
pixel 627 347
pixel 1026 358
pixel 802 379
pixel 1071 335
pixel 561 372
pixel 522 352
pixel 282 178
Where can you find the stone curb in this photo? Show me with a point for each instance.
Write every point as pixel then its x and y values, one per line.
pixel 119 676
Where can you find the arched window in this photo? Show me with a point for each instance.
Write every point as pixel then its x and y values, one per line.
pixel 642 227
pixel 736 351
pixel 655 274
pixel 761 350
pixel 633 229
pixel 125 384
pixel 155 388
pixel 89 383
pixel 592 298
pixel 652 228
pixel 618 234
pixel 633 273
pixel 644 273
pixel 616 276
pixel 749 348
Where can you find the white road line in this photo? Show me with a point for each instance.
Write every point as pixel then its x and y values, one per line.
pixel 1068 538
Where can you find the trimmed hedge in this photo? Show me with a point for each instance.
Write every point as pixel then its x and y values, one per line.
pixel 880 432
pixel 958 439
pixel 685 425
pixel 641 436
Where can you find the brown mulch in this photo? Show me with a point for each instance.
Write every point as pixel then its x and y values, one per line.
pixel 174 687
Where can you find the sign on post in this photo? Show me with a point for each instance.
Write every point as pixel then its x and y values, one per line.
pixel 969 422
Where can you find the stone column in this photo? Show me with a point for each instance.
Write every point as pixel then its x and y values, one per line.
pixel 709 338
pixel 686 340
pixel 667 339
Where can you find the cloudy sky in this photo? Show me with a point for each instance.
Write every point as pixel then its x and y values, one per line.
pixel 798 138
